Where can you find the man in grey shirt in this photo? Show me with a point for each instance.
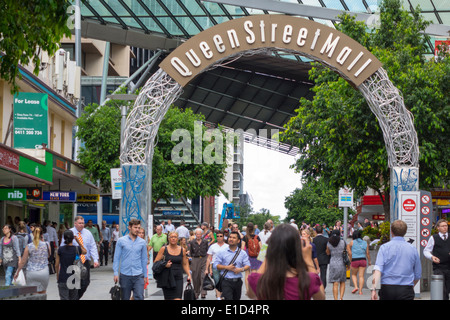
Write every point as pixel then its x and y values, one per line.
pixel 106 235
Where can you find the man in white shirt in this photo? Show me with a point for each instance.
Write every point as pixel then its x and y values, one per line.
pixel 182 231
pixel 170 227
pixel 91 254
pixel 212 251
pixel 438 251
pixel 292 223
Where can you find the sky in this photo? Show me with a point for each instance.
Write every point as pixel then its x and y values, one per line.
pixel 268 178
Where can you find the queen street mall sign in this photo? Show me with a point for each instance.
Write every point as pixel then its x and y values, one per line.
pixel 316 41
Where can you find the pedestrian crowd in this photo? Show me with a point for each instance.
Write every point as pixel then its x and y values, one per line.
pixel 286 262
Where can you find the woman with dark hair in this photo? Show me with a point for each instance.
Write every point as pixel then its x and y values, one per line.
pixel 288 272
pixel 337 270
pixel 10 255
pixel 65 257
pixel 358 251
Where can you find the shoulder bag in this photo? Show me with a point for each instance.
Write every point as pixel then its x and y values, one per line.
pixel 345 256
pixel 219 283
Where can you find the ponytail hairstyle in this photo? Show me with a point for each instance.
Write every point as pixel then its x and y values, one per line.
pixel 68 237
pixel 37 233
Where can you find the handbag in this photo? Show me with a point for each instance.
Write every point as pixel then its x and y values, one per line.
pixel 208 283
pixel 160 265
pixel 219 283
pixel 80 265
pixel 116 292
pixel 189 293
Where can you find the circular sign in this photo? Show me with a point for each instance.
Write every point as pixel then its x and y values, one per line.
pixel 425 210
pixel 425 221
pixel 425 199
pixel 425 232
pixel 424 243
pixel 409 205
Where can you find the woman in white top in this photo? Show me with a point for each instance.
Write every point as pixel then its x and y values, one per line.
pixel 265 234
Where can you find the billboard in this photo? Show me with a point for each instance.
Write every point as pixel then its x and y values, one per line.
pixel 30 120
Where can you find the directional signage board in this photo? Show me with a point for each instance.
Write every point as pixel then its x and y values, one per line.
pixel 345 197
pixel 409 212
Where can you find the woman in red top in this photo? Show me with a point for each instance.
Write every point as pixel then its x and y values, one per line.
pixel 288 272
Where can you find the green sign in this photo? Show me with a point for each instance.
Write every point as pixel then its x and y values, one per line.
pixel 13 194
pixel 30 119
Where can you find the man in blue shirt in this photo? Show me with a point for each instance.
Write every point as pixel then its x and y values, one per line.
pixel 232 283
pixel 398 266
pixel 131 258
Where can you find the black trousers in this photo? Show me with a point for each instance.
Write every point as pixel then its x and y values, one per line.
pixel 104 252
pixel 446 274
pixel 323 274
pixel 396 292
pixel 231 289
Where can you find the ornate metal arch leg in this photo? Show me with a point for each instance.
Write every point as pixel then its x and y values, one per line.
pixel 143 122
pixel 400 137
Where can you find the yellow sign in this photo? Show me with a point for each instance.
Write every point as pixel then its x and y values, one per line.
pixel 311 39
pixel 88 198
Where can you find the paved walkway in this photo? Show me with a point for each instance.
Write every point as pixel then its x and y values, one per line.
pixel 102 281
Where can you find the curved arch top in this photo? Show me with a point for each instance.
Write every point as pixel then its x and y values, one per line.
pixel 311 39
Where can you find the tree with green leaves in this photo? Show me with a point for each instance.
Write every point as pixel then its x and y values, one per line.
pixel 314 203
pixel 99 131
pixel 339 138
pixel 28 27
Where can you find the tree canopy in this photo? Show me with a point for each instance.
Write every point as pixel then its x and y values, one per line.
pixel 99 131
pixel 26 28
pixel 339 138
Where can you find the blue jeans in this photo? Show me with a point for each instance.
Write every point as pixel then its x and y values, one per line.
pixel 9 274
pixel 132 283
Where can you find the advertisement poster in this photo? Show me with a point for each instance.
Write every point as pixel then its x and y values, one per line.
pixel 30 120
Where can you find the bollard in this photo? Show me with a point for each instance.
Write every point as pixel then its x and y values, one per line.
pixel 437 287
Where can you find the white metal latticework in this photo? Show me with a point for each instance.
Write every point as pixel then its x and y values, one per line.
pixel 143 122
pixel 395 120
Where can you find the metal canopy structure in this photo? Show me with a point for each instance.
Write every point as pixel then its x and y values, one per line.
pixel 257 92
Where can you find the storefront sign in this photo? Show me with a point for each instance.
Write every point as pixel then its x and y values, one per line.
pixel 13 194
pixel 88 198
pixel 61 164
pixel 312 39
pixel 34 193
pixel 30 120
pixel 62 196
pixel 9 159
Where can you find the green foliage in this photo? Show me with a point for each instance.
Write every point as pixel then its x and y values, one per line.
pixel 259 219
pixel 339 138
pixel 314 203
pixel 99 130
pixel 27 26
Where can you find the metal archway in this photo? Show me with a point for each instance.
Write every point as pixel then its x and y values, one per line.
pixel 247 36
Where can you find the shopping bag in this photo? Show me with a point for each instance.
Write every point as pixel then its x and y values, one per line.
pixel 20 280
pixel 208 283
pixel 262 252
pixel 189 293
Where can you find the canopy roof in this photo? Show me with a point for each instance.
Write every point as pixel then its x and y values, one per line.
pixel 258 92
